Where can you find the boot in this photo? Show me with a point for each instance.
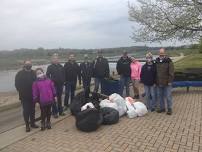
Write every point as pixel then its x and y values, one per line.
pixel 169 112
pixel 27 128
pixel 161 110
pixel 43 127
pixel 48 125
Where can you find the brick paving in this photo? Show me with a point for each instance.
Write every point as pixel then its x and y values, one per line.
pixel 180 132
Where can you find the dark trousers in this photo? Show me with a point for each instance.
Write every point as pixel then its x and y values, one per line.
pixel 28 111
pixel 45 113
pixel 86 86
pixel 70 88
pixel 57 105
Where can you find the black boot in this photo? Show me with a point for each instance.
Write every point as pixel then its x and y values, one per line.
pixel 161 110
pixel 48 125
pixel 43 127
pixel 169 112
pixel 27 128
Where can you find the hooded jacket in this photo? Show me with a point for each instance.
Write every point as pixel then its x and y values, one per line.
pixel 43 90
pixel 123 66
pixel 101 68
pixel 135 70
pixel 148 74
pixel 23 83
pixel 165 71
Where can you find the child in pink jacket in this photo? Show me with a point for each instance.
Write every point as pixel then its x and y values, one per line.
pixel 44 92
pixel 135 76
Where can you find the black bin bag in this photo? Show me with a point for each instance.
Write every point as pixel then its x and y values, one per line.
pixel 110 116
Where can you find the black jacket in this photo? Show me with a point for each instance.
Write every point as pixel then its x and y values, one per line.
pixel 56 73
pixel 23 83
pixel 123 66
pixel 86 70
pixel 101 68
pixel 72 72
pixel 148 74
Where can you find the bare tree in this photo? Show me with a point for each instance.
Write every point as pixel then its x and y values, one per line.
pixel 166 19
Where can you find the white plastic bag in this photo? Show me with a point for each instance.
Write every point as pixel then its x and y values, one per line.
pixel 107 103
pixel 116 98
pixel 87 105
pixel 131 113
pixel 140 108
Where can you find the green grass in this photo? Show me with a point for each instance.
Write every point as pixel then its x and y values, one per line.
pixel 190 61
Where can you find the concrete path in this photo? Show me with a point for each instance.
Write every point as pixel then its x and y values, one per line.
pixel 180 132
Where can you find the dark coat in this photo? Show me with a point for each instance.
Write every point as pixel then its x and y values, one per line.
pixel 56 73
pixel 165 71
pixel 86 70
pixel 148 74
pixel 72 72
pixel 123 66
pixel 101 68
pixel 23 83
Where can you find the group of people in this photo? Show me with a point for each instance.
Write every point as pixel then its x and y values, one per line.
pixel 47 88
pixel 156 75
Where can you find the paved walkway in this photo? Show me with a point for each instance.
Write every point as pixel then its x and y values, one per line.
pixel 154 132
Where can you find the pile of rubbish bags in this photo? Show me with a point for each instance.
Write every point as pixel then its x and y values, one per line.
pixel 90 113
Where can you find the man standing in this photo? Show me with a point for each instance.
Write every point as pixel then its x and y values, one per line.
pixel 123 69
pixel 86 74
pixel 23 83
pixel 56 73
pixel 165 75
pixel 100 70
pixel 72 72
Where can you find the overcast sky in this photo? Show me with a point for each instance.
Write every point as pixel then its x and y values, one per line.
pixel 64 23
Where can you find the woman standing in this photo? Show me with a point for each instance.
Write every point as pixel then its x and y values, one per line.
pixel 135 76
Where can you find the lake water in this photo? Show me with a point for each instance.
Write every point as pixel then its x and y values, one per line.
pixel 7 78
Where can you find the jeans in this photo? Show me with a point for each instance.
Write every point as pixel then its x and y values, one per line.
pixel 150 97
pixel 124 81
pixel 164 93
pixel 98 82
pixel 57 105
pixel 70 88
pixel 28 111
pixel 86 86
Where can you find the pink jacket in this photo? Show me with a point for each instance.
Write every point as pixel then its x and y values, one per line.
pixel 135 70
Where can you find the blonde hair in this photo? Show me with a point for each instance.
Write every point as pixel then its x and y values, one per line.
pixel 149 54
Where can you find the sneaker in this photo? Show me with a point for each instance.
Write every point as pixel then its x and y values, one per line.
pixel 43 126
pixel 169 112
pixel 27 128
pixel 34 126
pixel 48 125
pixel 161 110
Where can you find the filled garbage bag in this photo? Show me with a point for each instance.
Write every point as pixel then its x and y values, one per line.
pixel 131 112
pixel 80 100
pixel 140 108
pixel 88 120
pixel 116 98
pixel 110 116
pixel 106 103
pixel 87 105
